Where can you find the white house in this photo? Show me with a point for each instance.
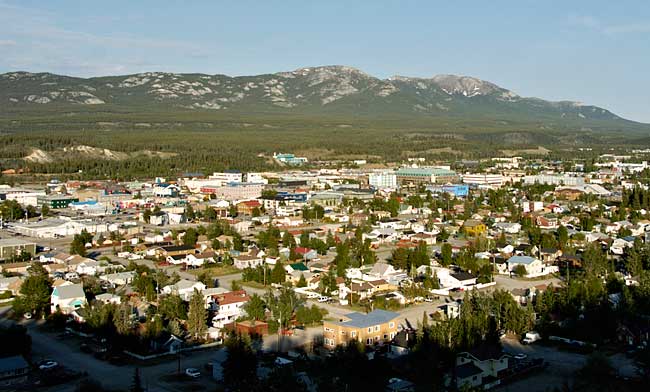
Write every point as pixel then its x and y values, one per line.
pixel 534 267
pixel 119 278
pixel 67 298
pixel 184 288
pixel 228 307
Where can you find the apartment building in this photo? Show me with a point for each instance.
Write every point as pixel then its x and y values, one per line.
pixel 378 326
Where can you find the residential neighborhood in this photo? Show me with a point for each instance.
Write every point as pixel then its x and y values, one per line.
pixel 436 274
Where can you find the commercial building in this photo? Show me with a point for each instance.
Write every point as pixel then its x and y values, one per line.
pixel 550 179
pixel 227 176
pixel 378 326
pixel 456 189
pixel 26 197
pixel 10 247
pixel 58 227
pixel 290 159
pixel 56 201
pixel 425 175
pixel 484 179
pixel 382 180
pixel 235 191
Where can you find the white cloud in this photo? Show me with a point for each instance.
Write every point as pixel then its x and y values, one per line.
pixel 593 23
pixel 628 28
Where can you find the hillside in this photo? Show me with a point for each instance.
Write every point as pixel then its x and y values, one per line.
pixel 326 91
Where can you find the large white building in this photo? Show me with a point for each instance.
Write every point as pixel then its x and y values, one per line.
pixel 492 180
pixel 551 179
pixel 383 180
pixel 58 227
pixel 227 177
pixel 25 197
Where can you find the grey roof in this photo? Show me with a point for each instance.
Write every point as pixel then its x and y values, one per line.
pixel 12 363
pixel 14 242
pixel 70 291
pixel 521 260
pixel 375 317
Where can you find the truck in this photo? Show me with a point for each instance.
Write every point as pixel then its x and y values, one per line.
pixel 531 337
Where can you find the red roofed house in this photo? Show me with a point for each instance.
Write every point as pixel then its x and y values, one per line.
pixel 306 253
pixel 228 307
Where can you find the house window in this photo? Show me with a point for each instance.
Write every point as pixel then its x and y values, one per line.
pixel 376 338
pixel 368 341
pixel 385 336
pixel 392 335
pixel 391 324
pixel 328 329
pixel 369 329
pixel 474 378
pixel 353 334
pixel 376 328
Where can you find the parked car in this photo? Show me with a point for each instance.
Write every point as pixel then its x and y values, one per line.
pixel 71 275
pixel 48 364
pixel 192 372
pixel 323 299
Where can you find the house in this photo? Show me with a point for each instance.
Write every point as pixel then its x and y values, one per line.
pixel 454 280
pixel 426 237
pixel 362 289
pixel 13 370
pixel 11 284
pixel 108 298
pixel 548 221
pixel 175 250
pixel 247 261
pixel 67 298
pixel 300 267
pixel 483 365
pixel 228 307
pixel 184 288
pixel 200 259
pixel 118 278
pixel 382 271
pixel 88 267
pixel 376 327
pixel 474 228
pixel 550 255
pixel 166 190
pixel 507 227
pixel 158 218
pixel 534 267
pixel 306 253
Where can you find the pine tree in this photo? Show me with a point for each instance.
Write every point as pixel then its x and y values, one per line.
pixel 197 315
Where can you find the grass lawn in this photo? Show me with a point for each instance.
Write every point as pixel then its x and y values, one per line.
pixel 215 271
pixel 254 285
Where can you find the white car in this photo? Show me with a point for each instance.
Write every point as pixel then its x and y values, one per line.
pixel 192 372
pixel 324 299
pixel 521 356
pixel 47 365
pixel 312 296
pixel 71 275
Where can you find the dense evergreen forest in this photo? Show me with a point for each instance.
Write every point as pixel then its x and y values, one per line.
pixel 151 144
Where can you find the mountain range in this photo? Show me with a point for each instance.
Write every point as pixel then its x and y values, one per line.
pixel 320 90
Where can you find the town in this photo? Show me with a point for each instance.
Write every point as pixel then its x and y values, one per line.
pixel 506 273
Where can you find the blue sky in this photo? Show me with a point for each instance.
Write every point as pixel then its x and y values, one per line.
pixel 597 52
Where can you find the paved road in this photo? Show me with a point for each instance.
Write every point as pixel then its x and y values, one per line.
pixel 562 367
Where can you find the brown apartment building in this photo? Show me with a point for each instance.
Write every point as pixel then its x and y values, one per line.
pixel 375 327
